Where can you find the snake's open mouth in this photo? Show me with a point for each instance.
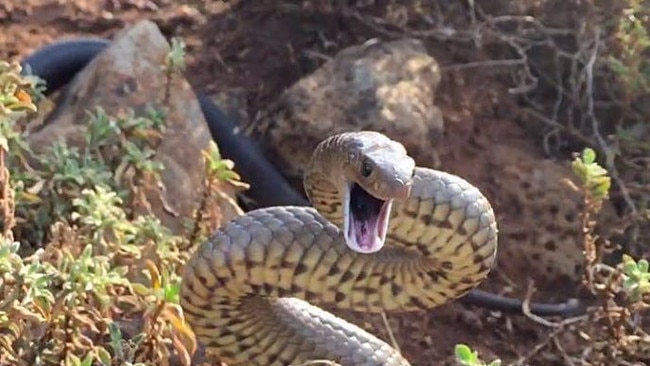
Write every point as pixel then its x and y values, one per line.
pixel 365 219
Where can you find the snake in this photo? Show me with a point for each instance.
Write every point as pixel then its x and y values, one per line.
pixel 383 235
pixel 58 63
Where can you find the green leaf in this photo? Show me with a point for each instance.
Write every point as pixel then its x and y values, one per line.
pixel 172 292
pixel 464 353
pixel 104 356
pixel 588 156
pixel 72 360
pixel 115 333
pixel 88 360
pixel 629 266
pixel 642 265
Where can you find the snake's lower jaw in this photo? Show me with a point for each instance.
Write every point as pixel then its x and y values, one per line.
pixel 384 218
pixel 365 235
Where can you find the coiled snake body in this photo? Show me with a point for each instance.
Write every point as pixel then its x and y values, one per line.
pixel 246 291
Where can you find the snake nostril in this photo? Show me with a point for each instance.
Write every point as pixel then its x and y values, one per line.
pixel 380 186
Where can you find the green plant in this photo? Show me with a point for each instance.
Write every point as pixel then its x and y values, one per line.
pixel 174 63
pixel 637 278
pixel 218 171
pixel 83 279
pixel 465 356
pixel 621 289
pixel 630 63
pixel 595 184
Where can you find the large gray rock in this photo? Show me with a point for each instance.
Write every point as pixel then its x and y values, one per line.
pixel 383 86
pixel 129 75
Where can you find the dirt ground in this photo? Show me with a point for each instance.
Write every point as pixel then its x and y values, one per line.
pixel 257 50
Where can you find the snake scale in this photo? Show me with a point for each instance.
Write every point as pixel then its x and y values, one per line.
pixel 246 292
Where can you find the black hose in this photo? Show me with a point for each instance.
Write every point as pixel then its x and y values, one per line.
pixel 59 62
pixel 492 301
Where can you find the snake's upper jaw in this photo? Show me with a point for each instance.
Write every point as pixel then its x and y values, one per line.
pixel 365 219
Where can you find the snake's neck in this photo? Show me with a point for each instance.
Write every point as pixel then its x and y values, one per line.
pixel 324 184
pixel 326 197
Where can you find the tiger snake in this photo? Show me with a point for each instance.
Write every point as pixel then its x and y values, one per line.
pixel 383 235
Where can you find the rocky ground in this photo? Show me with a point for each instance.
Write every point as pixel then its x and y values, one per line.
pixel 248 53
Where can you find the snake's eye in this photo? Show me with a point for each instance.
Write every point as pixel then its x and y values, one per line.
pixel 366 168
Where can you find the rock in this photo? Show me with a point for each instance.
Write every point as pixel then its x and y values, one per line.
pixel 383 86
pixel 539 216
pixel 128 75
pixel 539 220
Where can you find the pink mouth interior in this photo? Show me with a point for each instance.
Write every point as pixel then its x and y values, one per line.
pixel 367 221
pixel 364 232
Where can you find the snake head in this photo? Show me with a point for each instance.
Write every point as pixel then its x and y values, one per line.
pixel 377 172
